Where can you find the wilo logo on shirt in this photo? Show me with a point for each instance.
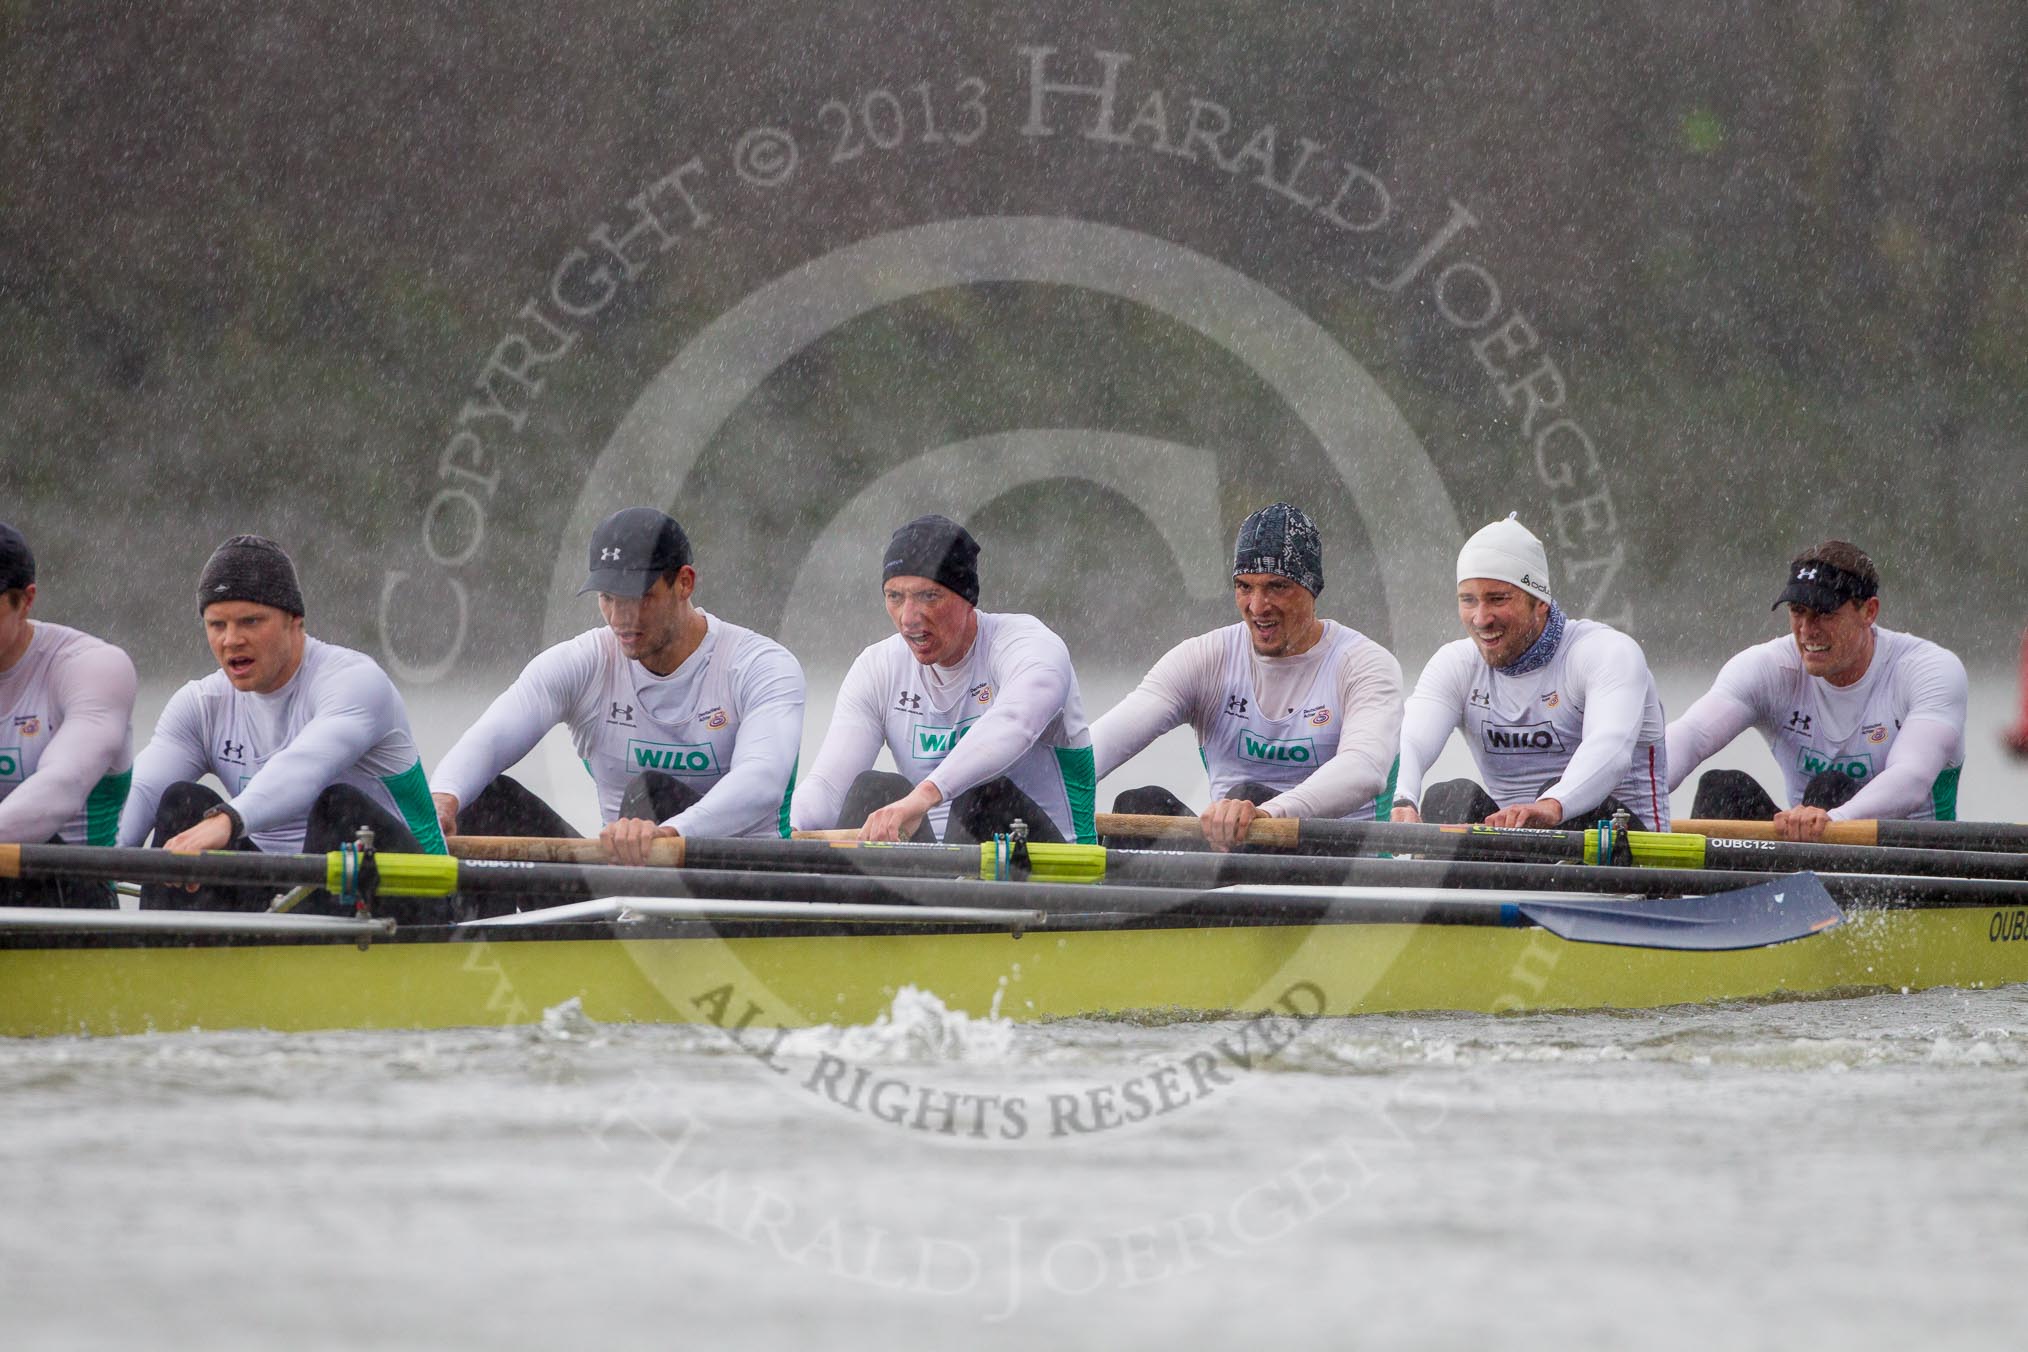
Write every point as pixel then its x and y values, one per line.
pixel 1813 762
pixel 1519 738
pixel 679 758
pixel 1292 751
pixel 10 765
pixel 929 742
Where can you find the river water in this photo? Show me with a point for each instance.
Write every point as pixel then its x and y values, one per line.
pixel 1749 1176
pixel 1843 1170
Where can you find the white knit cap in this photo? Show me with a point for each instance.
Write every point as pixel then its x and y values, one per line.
pixel 1508 552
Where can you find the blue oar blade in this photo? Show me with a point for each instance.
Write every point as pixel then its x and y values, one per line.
pixel 1773 912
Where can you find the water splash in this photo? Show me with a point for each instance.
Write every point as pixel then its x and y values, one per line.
pixel 917 1027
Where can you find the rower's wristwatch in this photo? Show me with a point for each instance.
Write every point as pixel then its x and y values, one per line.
pixel 231 814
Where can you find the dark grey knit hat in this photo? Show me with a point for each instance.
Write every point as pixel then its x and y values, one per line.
pixel 1280 539
pixel 249 568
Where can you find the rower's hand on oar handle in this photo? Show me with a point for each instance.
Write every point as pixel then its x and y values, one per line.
pixel 1226 822
pixel 213 832
pixel 629 840
pixel 1546 812
pixel 1407 812
pixel 1802 823
pixel 900 818
pixel 447 812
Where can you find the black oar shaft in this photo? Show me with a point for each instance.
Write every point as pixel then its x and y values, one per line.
pixel 1795 856
pixel 1438 842
pixel 213 868
pixel 1954 835
pixel 816 856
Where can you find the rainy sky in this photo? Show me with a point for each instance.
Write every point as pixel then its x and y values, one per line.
pixel 420 292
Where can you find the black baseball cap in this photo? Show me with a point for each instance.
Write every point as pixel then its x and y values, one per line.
pixel 1823 587
pixel 17 564
pixel 633 547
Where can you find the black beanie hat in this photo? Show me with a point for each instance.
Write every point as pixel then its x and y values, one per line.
pixel 939 549
pixel 17 563
pixel 249 568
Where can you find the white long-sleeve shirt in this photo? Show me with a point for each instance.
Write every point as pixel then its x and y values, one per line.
pixel 66 738
pixel 728 722
pixel 1010 706
pixel 338 720
pixel 1321 726
pixel 1899 730
pixel 1588 724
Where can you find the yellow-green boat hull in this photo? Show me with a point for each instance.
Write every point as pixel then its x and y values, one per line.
pixel 843 978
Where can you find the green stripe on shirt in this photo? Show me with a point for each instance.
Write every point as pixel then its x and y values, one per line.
pixel 1080 785
pixel 411 791
pixel 1943 794
pixel 102 808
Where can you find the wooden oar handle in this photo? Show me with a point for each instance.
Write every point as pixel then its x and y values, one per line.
pixel 1281 831
pixel 666 852
pixel 1837 833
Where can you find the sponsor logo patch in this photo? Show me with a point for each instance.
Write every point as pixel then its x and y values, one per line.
pixel 928 742
pixel 1283 750
pixel 713 718
pixel 1513 739
pixel 1857 764
pixel 10 765
pixel 1318 716
pixel 673 758
pixel 28 725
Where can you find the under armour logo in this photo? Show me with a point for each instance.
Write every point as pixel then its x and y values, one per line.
pixel 1235 704
pixel 1482 699
pixel 1807 574
pixel 912 703
pixel 622 713
pixel 1798 721
pixel 609 555
pixel 232 750
pixel 223 586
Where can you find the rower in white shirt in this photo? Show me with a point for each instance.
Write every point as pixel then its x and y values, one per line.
pixel 980 711
pixel 1561 715
pixel 689 724
pixel 1295 716
pixel 311 741
pixel 66 733
pixel 1866 723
